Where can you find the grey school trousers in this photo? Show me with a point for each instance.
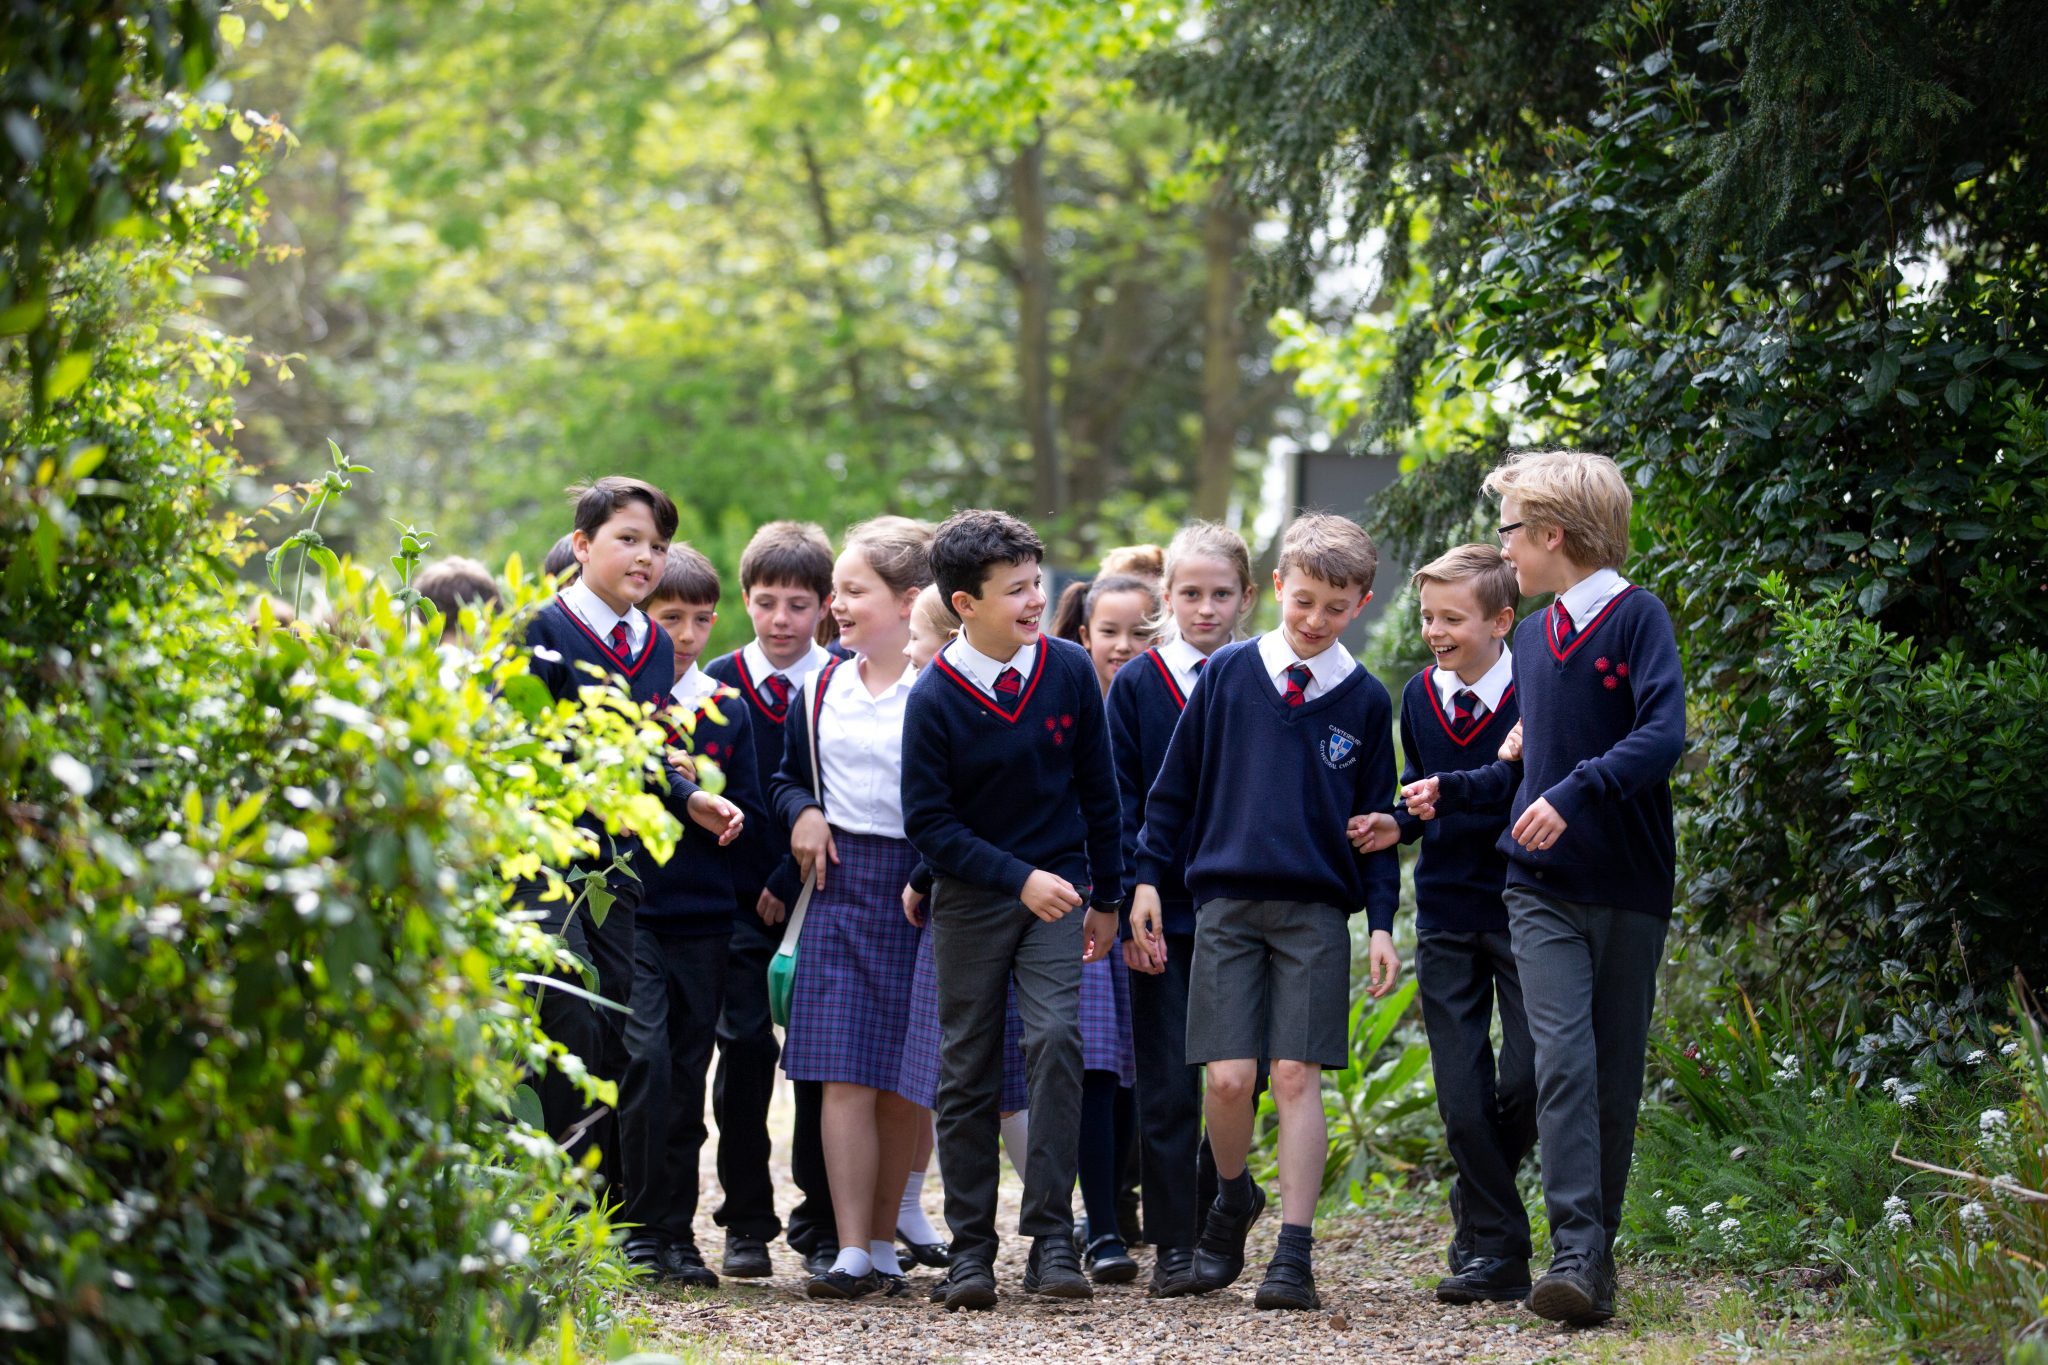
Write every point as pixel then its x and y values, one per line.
pixel 1589 981
pixel 980 938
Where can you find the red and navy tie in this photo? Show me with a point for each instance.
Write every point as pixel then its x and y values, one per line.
pixel 1562 622
pixel 1008 684
pixel 620 639
pixel 1298 676
pixel 1465 714
pixel 778 696
pixel 1197 669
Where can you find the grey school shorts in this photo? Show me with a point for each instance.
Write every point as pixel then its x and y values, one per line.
pixel 1270 979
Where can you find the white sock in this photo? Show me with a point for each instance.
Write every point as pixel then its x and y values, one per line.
pixel 1017 1138
pixel 883 1254
pixel 910 1219
pixel 853 1261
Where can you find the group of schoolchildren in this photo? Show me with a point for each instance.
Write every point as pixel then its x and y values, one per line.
pixel 1087 890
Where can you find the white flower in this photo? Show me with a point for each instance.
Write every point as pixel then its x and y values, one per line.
pixel 1991 1121
pixel 1908 1098
pixel 1679 1219
pixel 1977 1058
pixel 1974 1219
pixel 1730 1230
pixel 1896 1216
pixel 1819 1092
pixel 1709 1210
pixel 2009 1049
pixel 546 655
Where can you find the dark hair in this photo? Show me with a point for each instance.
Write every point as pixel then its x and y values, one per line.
pixel 793 554
pixel 1077 602
pixel 1072 611
pixel 686 577
pixel 969 544
pixel 597 503
pixel 561 558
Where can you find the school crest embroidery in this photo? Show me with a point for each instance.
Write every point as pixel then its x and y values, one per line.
pixel 1340 748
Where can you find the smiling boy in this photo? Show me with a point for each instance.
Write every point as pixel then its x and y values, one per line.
pixel 1283 742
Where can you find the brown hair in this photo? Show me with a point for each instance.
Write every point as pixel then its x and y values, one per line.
pixel 597 503
pixel 455 583
pixel 898 549
pixel 1329 547
pixel 1581 494
pixel 687 577
pixel 1134 561
pixel 1207 540
pixel 788 554
pixel 1492 577
pixel 562 558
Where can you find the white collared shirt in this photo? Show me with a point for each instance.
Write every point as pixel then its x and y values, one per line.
pixel 579 598
pixel 693 687
pixel 1326 669
pixel 860 752
pixel 1490 688
pixel 983 671
pixel 1181 659
pixel 759 669
pixel 1587 598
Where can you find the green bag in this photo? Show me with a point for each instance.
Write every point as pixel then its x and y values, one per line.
pixel 782 967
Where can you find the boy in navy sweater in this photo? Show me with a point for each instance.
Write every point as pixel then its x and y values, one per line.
pixel 593 633
pixel 1009 795
pixel 680 936
pixel 1589 847
pixel 1283 742
pixel 1454 717
pixel 785 584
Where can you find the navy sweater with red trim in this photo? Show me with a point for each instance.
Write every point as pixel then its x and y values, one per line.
pixel 1460 872
pixel 1603 725
pixel 1144 705
pixel 564 650
pixel 990 796
pixel 764 849
pixel 693 892
pixel 1261 792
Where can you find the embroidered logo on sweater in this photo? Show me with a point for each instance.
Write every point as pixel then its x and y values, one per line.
pixel 1340 748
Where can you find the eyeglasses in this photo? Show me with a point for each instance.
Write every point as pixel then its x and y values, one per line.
pixel 1505 531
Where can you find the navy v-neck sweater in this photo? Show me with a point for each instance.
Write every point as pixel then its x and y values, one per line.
pixel 991 795
pixel 764 849
pixel 1603 725
pixel 1145 704
pixel 1261 792
pixel 1460 872
pixel 561 644
pixel 693 892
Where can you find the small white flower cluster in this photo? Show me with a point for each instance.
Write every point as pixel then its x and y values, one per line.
pixel 1896 1215
pixel 1788 1069
pixel 2010 1049
pixel 1679 1218
pixel 1975 1220
pixel 1709 1210
pixel 1906 1095
pixel 1991 1128
pixel 1730 1230
pixel 1977 1058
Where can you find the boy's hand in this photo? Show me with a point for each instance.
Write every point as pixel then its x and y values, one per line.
pixel 1540 826
pixel 1045 895
pixel 811 844
pixel 913 906
pixel 1145 949
pixel 770 908
pixel 683 763
pixel 1511 747
pixel 1098 934
pixel 1371 833
pixel 1385 963
pixel 718 815
pixel 1421 797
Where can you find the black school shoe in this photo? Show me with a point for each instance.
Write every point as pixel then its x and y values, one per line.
pixel 968 1284
pixel 838 1284
pixel 746 1258
pixel 818 1260
pixel 643 1253
pixel 1219 1255
pixel 1460 1251
pixel 1173 1273
pixel 1108 1263
pixel 1579 1296
pixel 1487 1279
pixel 937 1255
pixel 1055 1271
pixel 1288 1284
pixel 683 1264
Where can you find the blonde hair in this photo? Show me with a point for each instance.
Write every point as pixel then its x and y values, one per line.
pixel 1329 547
pixel 1581 494
pixel 898 549
pixel 1134 561
pixel 1491 576
pixel 930 611
pixel 1206 540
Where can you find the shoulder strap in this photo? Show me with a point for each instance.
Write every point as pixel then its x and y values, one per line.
pixel 812 706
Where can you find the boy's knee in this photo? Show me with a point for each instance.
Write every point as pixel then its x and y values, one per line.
pixel 1232 1082
pixel 1294 1080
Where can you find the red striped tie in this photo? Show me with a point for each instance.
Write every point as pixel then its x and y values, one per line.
pixel 1465 717
pixel 778 695
pixel 1563 621
pixel 1008 684
pixel 620 639
pixel 1298 676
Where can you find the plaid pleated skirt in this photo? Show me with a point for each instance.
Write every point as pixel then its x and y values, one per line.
pixel 850 1002
pixel 1106 1018
pixel 920 1078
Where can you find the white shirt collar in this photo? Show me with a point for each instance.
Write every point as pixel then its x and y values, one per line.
pixel 758 667
pixel 579 598
pixel 1326 669
pixel 1182 657
pixel 693 687
pixel 1587 598
pixel 1489 689
pixel 980 669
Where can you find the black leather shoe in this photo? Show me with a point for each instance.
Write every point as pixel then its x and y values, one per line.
pixel 937 1255
pixel 968 1284
pixel 1288 1284
pixel 1219 1255
pixel 892 1286
pixel 1578 1295
pixel 1173 1273
pixel 746 1258
pixel 1055 1271
pixel 643 1253
pixel 1460 1250
pixel 818 1260
pixel 682 1264
pixel 1487 1279
pixel 1107 1262
pixel 838 1284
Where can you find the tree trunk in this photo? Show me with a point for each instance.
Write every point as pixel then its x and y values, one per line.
pixel 1034 328
pixel 1225 226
